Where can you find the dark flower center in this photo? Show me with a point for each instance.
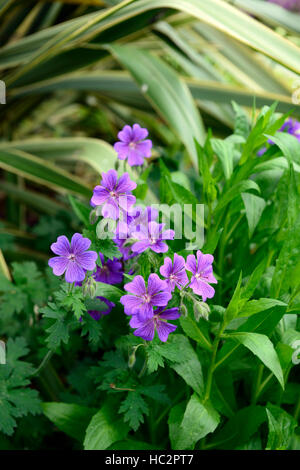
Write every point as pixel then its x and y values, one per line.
pixel 72 257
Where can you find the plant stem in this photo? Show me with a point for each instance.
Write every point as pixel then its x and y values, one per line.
pixel 257 384
pixel 212 363
pixel 143 369
pixel 43 363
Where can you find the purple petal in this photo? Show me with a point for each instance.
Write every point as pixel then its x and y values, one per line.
pixel 203 261
pixel 168 235
pixel 125 135
pixel 170 314
pixel 164 329
pixel 139 133
pixel 161 299
pixel 159 247
pixel 122 150
pixel 181 279
pixel 146 331
pixel 74 273
pixel 110 210
pixel 61 246
pixel 145 311
pixel 126 201
pixel 87 260
pixel 155 284
pixel 58 264
pixel 179 263
pixel 137 286
pixel 136 322
pixel 141 246
pixel 100 195
pixel 202 288
pixel 79 244
pixel 166 269
pixel 144 148
pixel 125 184
pixel 131 303
pixel 191 264
pixel 109 179
pixel 135 158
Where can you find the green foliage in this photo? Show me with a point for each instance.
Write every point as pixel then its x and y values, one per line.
pixel 228 381
pixel 15 400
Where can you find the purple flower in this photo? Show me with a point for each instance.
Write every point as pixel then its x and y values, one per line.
pixel 142 298
pixel 202 274
pixel 111 271
pixel 96 314
pixel 114 193
pixel 146 328
pixel 291 126
pixel 74 260
pixel 152 237
pixel 293 5
pixel 175 274
pixel 132 145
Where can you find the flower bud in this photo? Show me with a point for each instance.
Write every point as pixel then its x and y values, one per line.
pixel 89 287
pixel 201 310
pixel 132 359
pixel 183 310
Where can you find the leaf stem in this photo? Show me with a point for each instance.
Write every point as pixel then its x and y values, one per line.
pixel 43 363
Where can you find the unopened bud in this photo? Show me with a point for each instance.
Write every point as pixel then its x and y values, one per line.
pixel 183 310
pixel 201 310
pixel 132 359
pixel 89 287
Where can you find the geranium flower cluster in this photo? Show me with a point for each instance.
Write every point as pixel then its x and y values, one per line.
pixel 137 230
pixel 148 305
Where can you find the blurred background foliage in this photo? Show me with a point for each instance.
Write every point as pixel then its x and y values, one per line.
pixel 77 70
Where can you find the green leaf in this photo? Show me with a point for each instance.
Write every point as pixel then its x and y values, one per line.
pixel 255 306
pixel 281 428
pixel 239 429
pixel 81 210
pixel 42 172
pixel 224 150
pixel 134 408
pixel 235 191
pixel 263 348
pixel 182 357
pixel 98 154
pixel 197 421
pixel 254 206
pixel 16 400
pixel 105 428
pixel 285 274
pixel 59 329
pixel 108 291
pixel 192 330
pixel 70 418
